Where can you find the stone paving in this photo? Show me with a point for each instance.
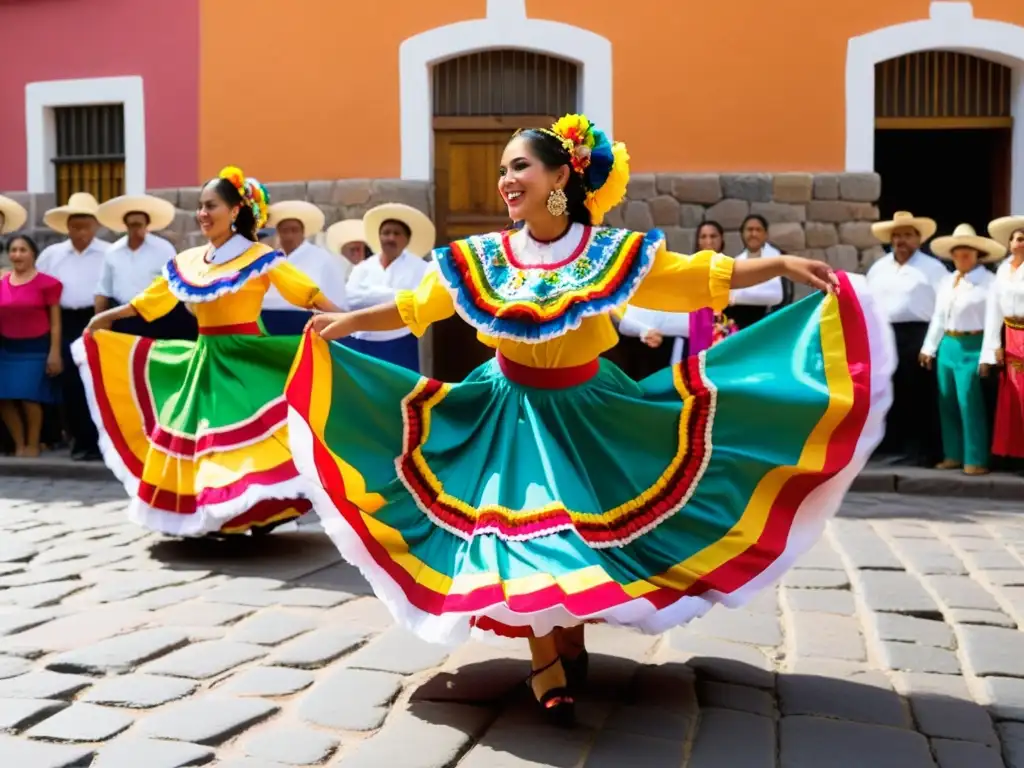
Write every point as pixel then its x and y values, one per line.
pixel 894 643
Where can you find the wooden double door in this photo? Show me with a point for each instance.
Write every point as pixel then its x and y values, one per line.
pixel 467 157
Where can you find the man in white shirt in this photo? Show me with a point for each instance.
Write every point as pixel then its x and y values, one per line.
pixel 748 305
pixel 906 281
pixel 347 240
pixel 401 236
pixel 76 263
pixel 135 261
pixel 294 222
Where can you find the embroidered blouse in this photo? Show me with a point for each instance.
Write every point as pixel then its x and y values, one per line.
pixel 226 287
pixel 544 309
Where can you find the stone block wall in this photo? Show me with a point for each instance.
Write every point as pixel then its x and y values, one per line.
pixel 822 216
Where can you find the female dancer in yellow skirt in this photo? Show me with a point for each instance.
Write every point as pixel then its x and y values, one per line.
pixel 197 431
pixel 548 489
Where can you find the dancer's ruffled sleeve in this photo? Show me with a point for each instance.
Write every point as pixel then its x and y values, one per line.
pixel 156 301
pixel 428 303
pixel 679 283
pixel 295 286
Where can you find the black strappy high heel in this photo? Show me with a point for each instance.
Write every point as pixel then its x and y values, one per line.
pixel 576 669
pixel 557 704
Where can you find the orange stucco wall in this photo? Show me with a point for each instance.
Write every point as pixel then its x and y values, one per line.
pixel 705 86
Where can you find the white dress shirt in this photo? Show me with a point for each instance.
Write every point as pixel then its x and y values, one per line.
pixel 322 267
pixel 78 272
pixel 371 285
pixel 767 294
pixel 127 273
pixel 907 291
pixel 1006 299
pixel 960 306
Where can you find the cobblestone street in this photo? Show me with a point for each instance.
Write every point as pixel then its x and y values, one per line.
pixel 894 644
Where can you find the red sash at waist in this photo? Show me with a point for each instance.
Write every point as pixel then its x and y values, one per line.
pixel 548 378
pixel 239 329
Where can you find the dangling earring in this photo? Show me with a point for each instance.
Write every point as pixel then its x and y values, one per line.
pixel 233 227
pixel 557 202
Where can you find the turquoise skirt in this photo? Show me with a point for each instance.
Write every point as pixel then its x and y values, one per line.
pixel 521 500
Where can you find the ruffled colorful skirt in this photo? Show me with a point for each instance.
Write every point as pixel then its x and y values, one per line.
pixel 196 431
pixel 521 499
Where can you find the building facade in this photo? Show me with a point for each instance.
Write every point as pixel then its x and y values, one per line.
pixel 727 108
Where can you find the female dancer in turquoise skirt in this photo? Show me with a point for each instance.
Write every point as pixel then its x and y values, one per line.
pixel 548 489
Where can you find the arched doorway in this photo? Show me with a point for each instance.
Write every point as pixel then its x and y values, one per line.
pixel 943 137
pixel 479 100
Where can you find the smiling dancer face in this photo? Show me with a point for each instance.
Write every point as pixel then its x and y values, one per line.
pixel 533 166
pixel 220 207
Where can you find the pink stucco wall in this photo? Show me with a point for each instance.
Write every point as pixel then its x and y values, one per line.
pixel 69 39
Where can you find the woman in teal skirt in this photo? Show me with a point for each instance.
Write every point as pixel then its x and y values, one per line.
pixel 954 339
pixel 549 490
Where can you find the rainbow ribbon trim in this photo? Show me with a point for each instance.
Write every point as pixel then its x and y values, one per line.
pixel 185 289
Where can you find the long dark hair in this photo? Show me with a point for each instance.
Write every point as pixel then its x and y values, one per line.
pixel 245 223
pixel 708 223
pixel 553 155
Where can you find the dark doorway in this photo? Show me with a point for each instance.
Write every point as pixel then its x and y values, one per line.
pixel 951 175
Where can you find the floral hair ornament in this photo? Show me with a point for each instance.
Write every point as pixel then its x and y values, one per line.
pixel 252 192
pixel 603 165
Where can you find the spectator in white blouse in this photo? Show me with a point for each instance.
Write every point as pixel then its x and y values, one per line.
pixel 347 240
pixel 135 261
pixel 748 305
pixel 1004 341
pixel 294 222
pixel 76 263
pixel 953 347
pixel 905 282
pixel 402 237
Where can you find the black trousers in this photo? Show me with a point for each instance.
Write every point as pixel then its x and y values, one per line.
pixel 639 361
pixel 77 420
pixel 912 424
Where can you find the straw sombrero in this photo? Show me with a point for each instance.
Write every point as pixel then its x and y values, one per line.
pixel 964 236
pixel 79 204
pixel 883 229
pixel 14 213
pixel 311 216
pixel 1000 229
pixel 344 232
pixel 111 213
pixel 423 236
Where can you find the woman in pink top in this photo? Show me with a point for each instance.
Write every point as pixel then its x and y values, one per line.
pixel 29 345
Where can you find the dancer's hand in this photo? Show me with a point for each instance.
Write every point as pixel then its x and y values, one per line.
pixel 816 274
pixel 925 360
pixel 652 338
pixel 985 370
pixel 999 357
pixel 331 325
pixel 101 322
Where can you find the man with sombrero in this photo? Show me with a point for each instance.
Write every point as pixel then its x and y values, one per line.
pixel 12 215
pixel 134 261
pixel 77 263
pixel 953 347
pixel 347 239
pixel 401 237
pixel 294 222
pixel 905 281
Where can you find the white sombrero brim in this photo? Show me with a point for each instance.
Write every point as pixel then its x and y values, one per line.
pixel 1000 229
pixel 57 218
pixel 14 213
pixel 344 232
pixel 883 230
pixel 423 237
pixel 310 215
pixel 990 249
pixel 111 213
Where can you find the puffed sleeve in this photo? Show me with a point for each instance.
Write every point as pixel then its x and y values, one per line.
pixel 679 283
pixel 52 291
pixel 427 303
pixel 156 301
pixel 295 286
